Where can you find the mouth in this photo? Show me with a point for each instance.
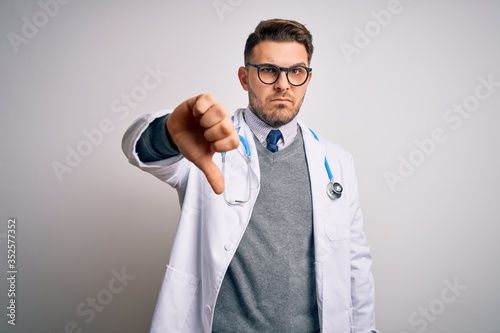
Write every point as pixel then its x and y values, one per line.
pixel 281 100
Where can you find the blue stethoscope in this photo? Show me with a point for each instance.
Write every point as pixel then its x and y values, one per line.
pixel 231 200
pixel 333 189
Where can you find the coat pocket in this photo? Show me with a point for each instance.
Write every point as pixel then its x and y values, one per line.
pixel 175 301
pixel 337 224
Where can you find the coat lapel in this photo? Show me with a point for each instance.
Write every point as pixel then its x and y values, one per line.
pixel 315 152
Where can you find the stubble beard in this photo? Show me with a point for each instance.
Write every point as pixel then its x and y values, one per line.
pixel 280 115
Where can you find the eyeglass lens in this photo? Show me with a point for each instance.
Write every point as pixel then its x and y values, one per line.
pixel 296 75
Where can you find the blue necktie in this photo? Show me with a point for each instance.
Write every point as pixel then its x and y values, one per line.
pixel 272 140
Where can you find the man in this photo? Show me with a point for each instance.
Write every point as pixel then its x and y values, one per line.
pixel 278 253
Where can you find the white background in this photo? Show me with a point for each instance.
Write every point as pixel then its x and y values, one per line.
pixel 437 226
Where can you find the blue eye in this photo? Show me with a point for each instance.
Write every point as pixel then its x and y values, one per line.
pixel 297 71
pixel 269 70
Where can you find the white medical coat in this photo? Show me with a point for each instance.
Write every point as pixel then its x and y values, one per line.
pixel 210 230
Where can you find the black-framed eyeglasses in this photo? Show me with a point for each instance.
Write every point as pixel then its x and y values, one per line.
pixel 270 73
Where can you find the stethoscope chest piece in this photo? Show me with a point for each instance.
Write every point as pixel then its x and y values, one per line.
pixel 334 190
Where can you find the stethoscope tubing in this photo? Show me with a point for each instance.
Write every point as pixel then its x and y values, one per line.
pixel 333 189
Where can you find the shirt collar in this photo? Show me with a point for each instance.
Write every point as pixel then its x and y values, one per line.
pixel 260 129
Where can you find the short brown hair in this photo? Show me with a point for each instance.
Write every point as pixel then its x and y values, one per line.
pixel 279 30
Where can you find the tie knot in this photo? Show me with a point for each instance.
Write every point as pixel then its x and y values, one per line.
pixel 272 140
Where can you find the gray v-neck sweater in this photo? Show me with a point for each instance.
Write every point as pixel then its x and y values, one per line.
pixel 270 283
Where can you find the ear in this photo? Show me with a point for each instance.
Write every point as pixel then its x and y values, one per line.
pixel 243 77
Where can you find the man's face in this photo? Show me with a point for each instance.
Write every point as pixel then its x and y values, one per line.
pixel 278 103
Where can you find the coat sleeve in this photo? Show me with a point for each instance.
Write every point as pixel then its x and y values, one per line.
pixel 173 170
pixel 362 284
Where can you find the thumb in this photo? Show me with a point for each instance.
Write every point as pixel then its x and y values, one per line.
pixel 213 174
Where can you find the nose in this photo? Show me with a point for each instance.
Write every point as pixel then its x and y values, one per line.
pixel 282 82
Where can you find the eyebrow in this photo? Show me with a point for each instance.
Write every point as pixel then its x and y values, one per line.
pixel 296 64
